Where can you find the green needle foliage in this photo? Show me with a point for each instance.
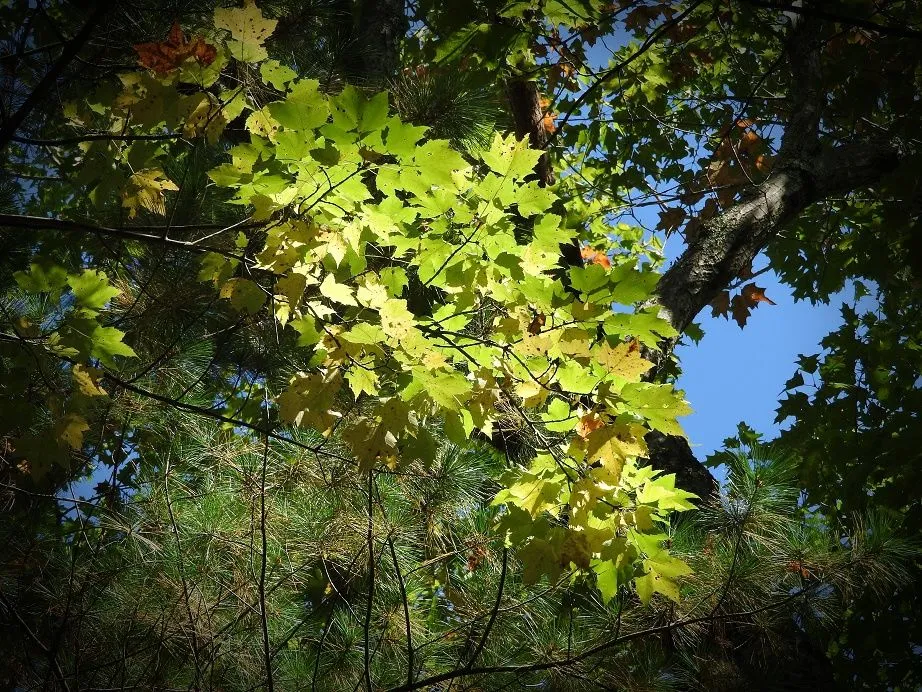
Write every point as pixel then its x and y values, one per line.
pixel 312 376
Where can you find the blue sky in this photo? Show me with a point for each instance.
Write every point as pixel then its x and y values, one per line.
pixel 738 374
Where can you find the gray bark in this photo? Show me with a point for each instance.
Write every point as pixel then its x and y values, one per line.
pixel 727 244
pixel 381 25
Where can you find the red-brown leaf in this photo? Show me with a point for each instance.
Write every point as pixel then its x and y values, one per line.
pixel 165 56
pixel 753 294
pixel 720 306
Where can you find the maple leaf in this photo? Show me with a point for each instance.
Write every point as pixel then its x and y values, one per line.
pixel 145 189
pixel 671 219
pixel 749 141
pixel 248 28
pixel 87 378
pixel 624 360
pixel 740 310
pixel 749 297
pixel 614 444
pixel 753 294
pixel 69 430
pixel 641 17
pixel 593 256
pixel 537 323
pixel 165 56
pixel 547 122
pixel 588 424
pixel 720 306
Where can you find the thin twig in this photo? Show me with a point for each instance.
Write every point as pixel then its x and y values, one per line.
pixel 371 578
pixel 263 615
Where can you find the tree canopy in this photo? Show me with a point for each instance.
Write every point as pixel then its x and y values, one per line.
pixel 338 347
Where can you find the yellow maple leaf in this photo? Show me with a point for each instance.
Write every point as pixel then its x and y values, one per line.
pixel 145 190
pixel 624 360
pixel 396 319
pixel 309 400
pixel 248 28
pixel 614 444
pixel 70 429
pixel 87 380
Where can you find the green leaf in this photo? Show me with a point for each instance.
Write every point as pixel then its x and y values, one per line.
pixel 308 334
pixel 511 157
pixel 244 295
pixel 304 109
pixel 558 417
pixel 91 340
pixel 536 490
pixel 401 138
pixel 275 73
pixel 436 161
pixel 646 326
pixel 42 277
pixel 91 289
pixel 338 293
pixel 658 403
pixel 353 110
pixel 539 557
pixel 614 567
pixel 533 199
pixel 217 268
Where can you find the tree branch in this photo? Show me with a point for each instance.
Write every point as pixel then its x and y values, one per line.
pixel 40 223
pixel 727 243
pixel 599 648
pixel 815 11
pixel 68 53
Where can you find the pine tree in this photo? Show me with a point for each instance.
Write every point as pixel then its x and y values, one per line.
pixel 336 439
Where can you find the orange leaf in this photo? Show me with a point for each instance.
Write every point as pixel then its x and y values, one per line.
pixel 588 423
pixel 165 56
pixel 548 120
pixel 753 294
pixel 595 257
pixel 749 141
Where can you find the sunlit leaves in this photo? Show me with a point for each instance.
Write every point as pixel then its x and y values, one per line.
pixel 536 490
pixel 613 444
pixel 510 157
pixel 248 28
pixel 309 401
pixel 337 292
pixel 624 360
pixel 91 289
pixel 419 288
pixel 657 403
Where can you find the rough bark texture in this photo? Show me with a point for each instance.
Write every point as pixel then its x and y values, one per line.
pixel 671 453
pixel 380 28
pixel 803 174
